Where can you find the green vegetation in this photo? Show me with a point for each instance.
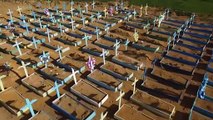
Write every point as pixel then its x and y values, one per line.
pixel 197 6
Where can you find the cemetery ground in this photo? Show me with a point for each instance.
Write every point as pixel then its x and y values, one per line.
pixel 160 78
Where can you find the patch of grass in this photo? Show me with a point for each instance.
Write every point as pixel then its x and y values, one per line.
pixel 197 6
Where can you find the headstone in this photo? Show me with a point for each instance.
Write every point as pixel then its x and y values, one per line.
pixel 26 25
pixel 98 15
pixel 106 27
pixel 91 64
pixel 144 74
pixel 62 15
pixel 119 98
pixel 29 106
pixel 34 15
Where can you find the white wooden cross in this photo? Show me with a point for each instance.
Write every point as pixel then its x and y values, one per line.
pixel 134 13
pixel 104 52
pixel 134 85
pixel 48 34
pixel 146 9
pixel 74 75
pixel 17 46
pixel 105 12
pixel 119 98
pixel 1 83
pixel 126 44
pixel 116 45
pixel 141 11
pixel 86 6
pixel 59 50
pixel 24 66
pixel 97 30
pixel 11 17
pixel 93 4
pixel 19 10
pixel 103 115
pixel 72 23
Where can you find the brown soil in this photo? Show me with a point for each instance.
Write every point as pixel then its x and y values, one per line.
pixel 42 116
pixel 105 78
pixel 89 91
pixel 128 60
pixel 39 82
pixel 130 113
pixel 117 69
pixel 204 104
pixel 147 99
pixel 73 107
pixel 13 99
pixel 181 56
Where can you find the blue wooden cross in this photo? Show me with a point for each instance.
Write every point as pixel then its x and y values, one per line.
pixel 134 13
pixel 17 46
pixel 56 8
pixel 92 18
pixel 26 25
pixel 64 6
pixel 48 34
pixel 72 23
pixel 44 58
pixel 23 17
pixel 97 30
pixel 29 106
pixel 35 43
pixel 93 4
pixel 116 45
pixel 60 27
pixel 144 74
pixel 62 15
pixel 59 50
pixel 39 20
pixel 126 43
pixel 107 26
pixel 11 17
pixel 56 88
pixel 98 15
pixel 83 20
pixel 86 38
pixel 34 15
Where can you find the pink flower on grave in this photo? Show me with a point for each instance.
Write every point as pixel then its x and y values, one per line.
pixel 91 63
pixel 46 11
pixel 111 11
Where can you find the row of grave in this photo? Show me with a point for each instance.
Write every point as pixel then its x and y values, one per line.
pixel 202 104
pixel 94 71
pixel 28 102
